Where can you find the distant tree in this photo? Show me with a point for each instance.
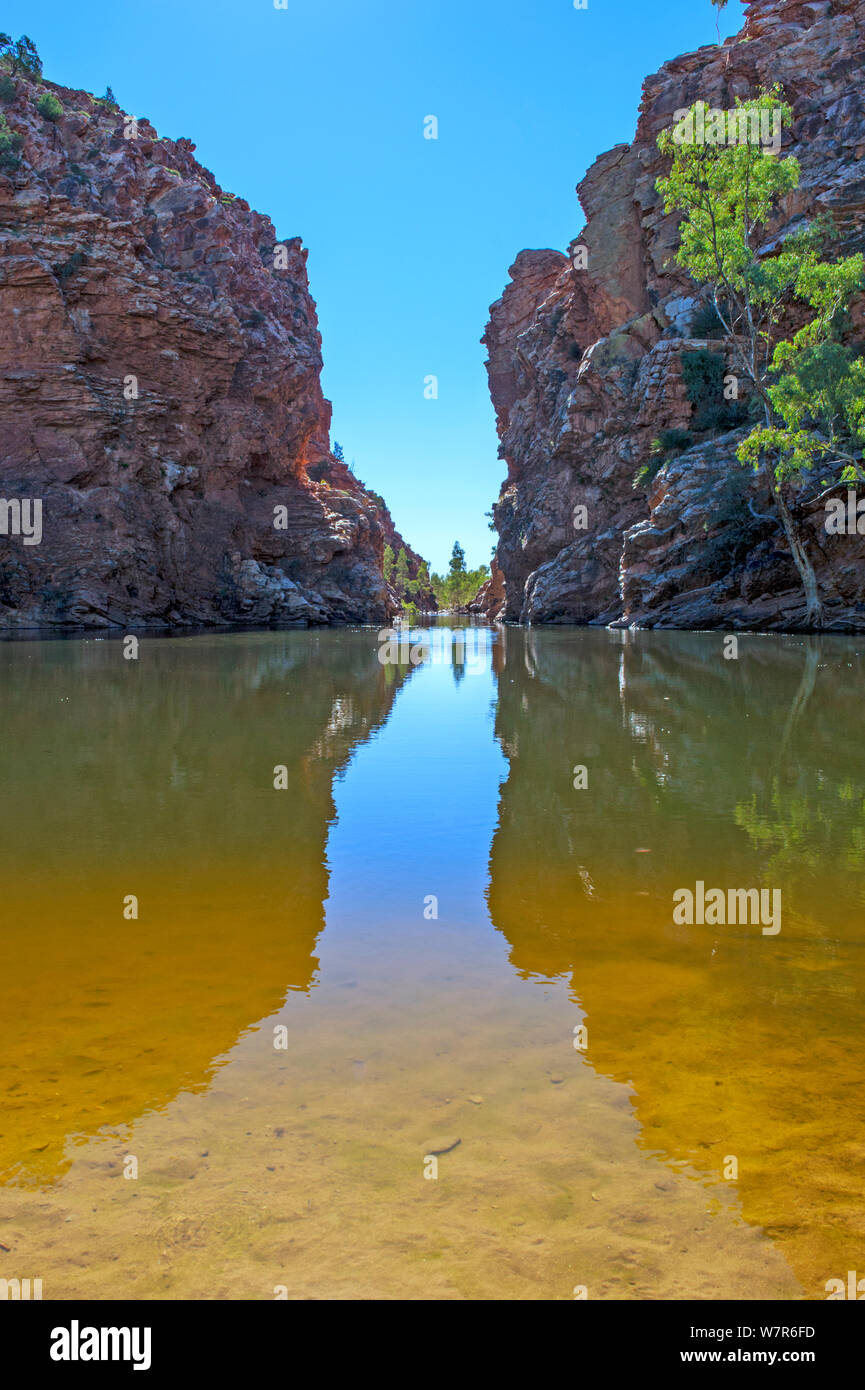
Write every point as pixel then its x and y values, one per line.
pixel 402 572
pixel 423 578
pixel 111 100
pixel 22 55
pixel 388 564
pixel 338 452
pixel 459 586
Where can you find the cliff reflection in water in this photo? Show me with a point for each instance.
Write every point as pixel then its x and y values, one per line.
pixel 156 778
pixel 741 773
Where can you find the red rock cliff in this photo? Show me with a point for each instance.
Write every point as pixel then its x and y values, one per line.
pixel 159 393
pixel 585 365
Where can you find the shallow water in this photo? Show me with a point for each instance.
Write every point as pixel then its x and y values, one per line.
pixel 286 1032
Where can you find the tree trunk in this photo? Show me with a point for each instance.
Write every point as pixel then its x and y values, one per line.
pixel 814 608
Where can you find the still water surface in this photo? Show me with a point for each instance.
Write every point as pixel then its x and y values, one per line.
pixel 283 1035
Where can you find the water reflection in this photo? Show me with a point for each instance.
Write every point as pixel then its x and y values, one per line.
pixel 738 773
pixel 606 1166
pixel 155 779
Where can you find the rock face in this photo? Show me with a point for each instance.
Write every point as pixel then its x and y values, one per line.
pixel 160 395
pixel 585 367
pixel 424 599
pixel 490 597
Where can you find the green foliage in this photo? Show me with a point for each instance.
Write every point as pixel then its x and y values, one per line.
pixel 668 444
pixel 388 563
pixel 338 452
pixel 672 441
pixel 401 573
pixel 8 90
pixel 706 322
pixel 69 267
pixel 109 98
pixel 10 144
pixel 21 55
pixel 811 388
pixel 397 573
pixel 703 375
pixel 819 389
pixel 459 586
pixel 736 529
pixel 727 193
pixel 49 107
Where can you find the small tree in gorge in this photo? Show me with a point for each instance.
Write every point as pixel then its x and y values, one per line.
pixel 402 573
pixel 727 193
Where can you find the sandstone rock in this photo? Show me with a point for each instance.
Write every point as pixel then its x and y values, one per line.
pixel 585 365
pixel 159 392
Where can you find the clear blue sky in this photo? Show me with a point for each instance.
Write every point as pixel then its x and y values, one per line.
pixel 315 115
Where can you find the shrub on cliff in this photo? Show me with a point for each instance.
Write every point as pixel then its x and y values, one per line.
pixel 69 267
pixel 10 144
pixel 703 375
pixel 706 322
pixel 8 90
pixel 668 445
pixel 727 177
pixel 49 107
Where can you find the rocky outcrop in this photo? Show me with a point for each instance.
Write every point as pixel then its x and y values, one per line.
pixel 585 367
pixel 489 600
pixel 160 394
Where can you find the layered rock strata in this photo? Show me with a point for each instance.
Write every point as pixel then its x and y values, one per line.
pixel 585 367
pixel 159 394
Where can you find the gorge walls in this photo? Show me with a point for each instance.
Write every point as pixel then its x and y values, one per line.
pixel 585 367
pixel 160 393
